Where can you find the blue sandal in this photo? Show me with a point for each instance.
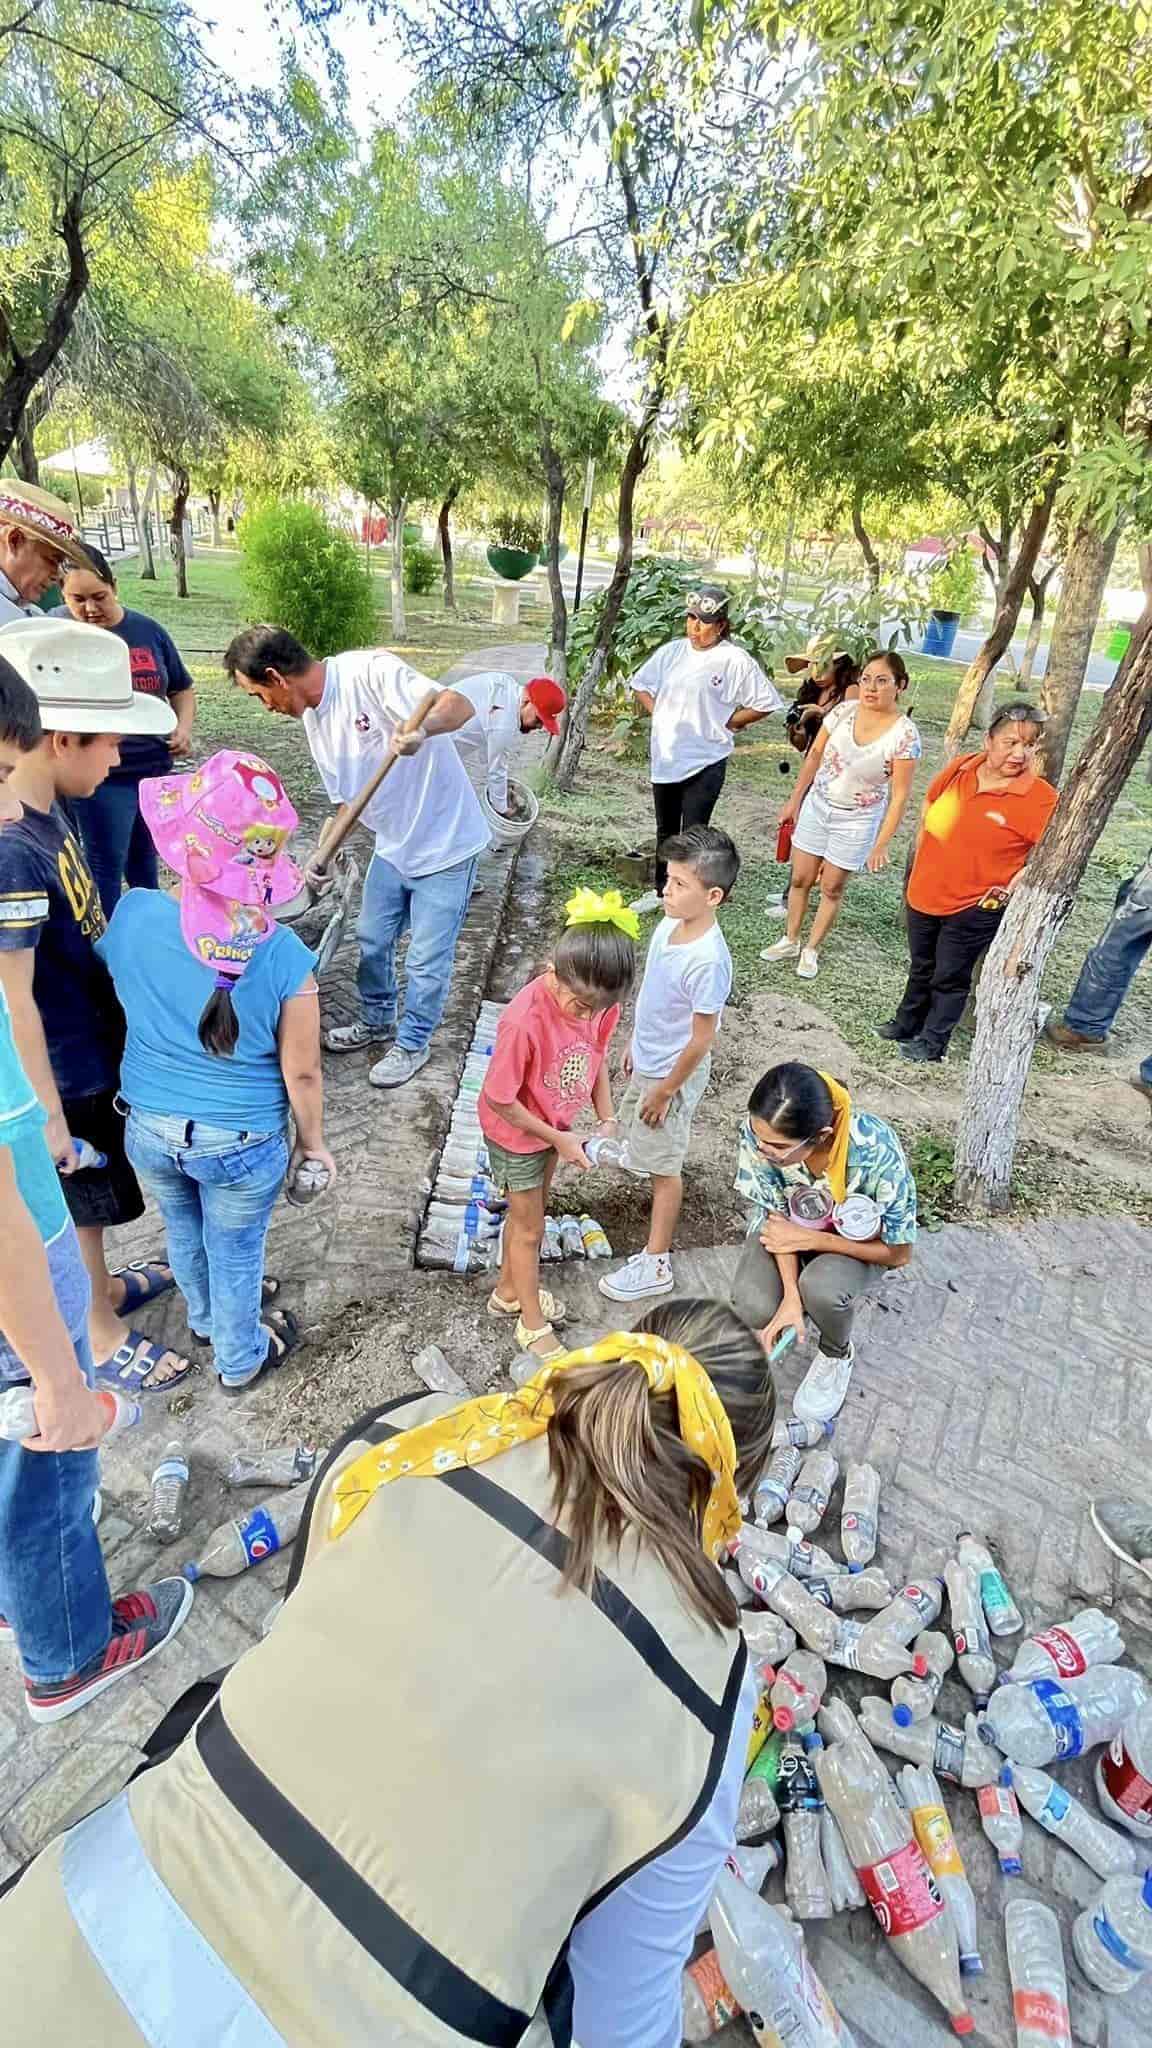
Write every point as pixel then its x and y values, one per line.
pixel 144 1281
pixel 126 1372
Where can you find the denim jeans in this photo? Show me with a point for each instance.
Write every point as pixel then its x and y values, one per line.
pixel 432 908
pixel 53 1586
pixel 1108 970
pixel 216 1190
pixel 117 841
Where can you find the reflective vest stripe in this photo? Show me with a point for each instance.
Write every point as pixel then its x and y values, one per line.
pixel 426 1975
pixel 175 1988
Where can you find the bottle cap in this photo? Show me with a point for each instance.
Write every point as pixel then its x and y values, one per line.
pixel 919 1665
pixel 1148 1888
pixel 963 2023
pixel 191 1573
pixel 1011 1866
pixel 902 1716
pixel 854 1568
pixel 784 1719
pixel 971 1966
pixel 1006 1773
pixel 812 1742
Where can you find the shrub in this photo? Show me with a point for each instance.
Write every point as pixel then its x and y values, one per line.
pixel 63 483
pixel 955 582
pixel 421 568
pixel 302 574
pixel 516 530
pixel 653 613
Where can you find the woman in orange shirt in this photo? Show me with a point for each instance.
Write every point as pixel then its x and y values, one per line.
pixel 983 814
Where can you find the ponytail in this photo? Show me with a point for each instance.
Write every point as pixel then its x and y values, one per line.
pixel 619 1466
pixel 219 1026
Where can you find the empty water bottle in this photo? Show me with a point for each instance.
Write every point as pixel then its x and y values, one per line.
pixel 956 1753
pixel 804 1436
pixel 1036 1722
pixel 310 1179
pixel 605 1151
pixel 801 1803
pixel 596 1244
pixel 1000 1610
pixel 974 1658
pixel 86 1156
pixel 764 1959
pixel 572 1238
pixel 858 1520
pixel 169 1487
pixel 914 1696
pixel 933 1830
pixel 772 1493
pixel 1000 1820
pixel 812 1492
pixel 1112 1940
pixel 1039 1982
pixel 285 1466
pixel 18 1413
pixel 552 1246
pixel 1059 1814
pixel 264 1530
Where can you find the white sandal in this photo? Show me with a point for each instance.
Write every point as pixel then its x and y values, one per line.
pixel 526 1338
pixel 550 1306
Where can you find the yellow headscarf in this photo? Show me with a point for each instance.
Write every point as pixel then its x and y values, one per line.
pixel 586 907
pixel 836 1171
pixel 482 1429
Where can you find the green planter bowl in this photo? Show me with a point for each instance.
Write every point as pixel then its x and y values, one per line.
pixel 413 533
pixel 511 563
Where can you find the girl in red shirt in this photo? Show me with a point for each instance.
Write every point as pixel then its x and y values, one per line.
pixel 548 1065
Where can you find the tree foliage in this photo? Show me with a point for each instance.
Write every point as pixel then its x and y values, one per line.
pixel 300 573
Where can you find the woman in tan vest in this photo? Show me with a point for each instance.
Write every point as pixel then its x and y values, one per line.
pixel 477 1782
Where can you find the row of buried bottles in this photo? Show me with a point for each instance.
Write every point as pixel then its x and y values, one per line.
pixel 853 1836
pixel 463 1226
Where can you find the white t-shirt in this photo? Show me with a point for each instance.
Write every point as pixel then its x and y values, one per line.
pixel 495 725
pixel 855 778
pixel 696 695
pixel 426 816
pixel 680 982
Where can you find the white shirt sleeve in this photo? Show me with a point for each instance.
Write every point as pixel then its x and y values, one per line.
pixel 651 674
pixel 397 688
pixel 755 691
pixel 628 1956
pixel 708 983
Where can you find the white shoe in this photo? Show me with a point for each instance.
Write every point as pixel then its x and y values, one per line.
pixel 781 949
pixel 776 906
pixel 398 1065
pixel 808 965
pixel 824 1388
pixel 352 1037
pixel 644 1273
pixel 645 905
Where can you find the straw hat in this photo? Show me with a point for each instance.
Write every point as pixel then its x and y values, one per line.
pixel 46 518
pixel 821 648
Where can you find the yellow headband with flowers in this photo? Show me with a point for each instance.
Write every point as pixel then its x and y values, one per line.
pixel 482 1429
pixel 586 907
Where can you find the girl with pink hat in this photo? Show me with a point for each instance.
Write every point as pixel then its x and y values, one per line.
pixel 223 1042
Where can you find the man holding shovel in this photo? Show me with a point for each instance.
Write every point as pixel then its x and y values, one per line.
pixel 429 827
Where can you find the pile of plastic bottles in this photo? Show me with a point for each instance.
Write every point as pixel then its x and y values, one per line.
pixel 465 1215
pixel 849 1829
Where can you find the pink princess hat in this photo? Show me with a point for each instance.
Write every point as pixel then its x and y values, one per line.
pixel 223 829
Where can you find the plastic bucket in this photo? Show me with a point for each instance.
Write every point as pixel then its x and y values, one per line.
pixel 510 831
pixel 940 633
pixel 1119 641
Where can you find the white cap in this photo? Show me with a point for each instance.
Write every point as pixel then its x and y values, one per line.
pixel 82 677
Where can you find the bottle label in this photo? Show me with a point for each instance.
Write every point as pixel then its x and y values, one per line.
pixel 708 1978
pixel 1125 1785
pixel 972 1642
pixel 1061 1711
pixel 462 1252
pixel 994 1594
pixel 1055 1807
pixel 934 1834
pixel 858 1525
pixel 902 1891
pixel 1106 1934
pixel 810 1497
pixel 819 1589
pixel 258 1535
pixel 1043 2013
pixel 925 1599
pixel 847 1651
pixel 948 1757
pixel 993 1799
pixel 1064 1651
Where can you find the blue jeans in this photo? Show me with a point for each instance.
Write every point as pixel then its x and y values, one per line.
pixel 53 1586
pixel 433 908
pixel 216 1190
pixel 117 841
pixel 1108 969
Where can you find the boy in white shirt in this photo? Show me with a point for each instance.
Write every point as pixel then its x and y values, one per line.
pixel 687 981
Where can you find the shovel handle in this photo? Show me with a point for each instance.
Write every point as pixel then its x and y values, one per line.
pixel 340 824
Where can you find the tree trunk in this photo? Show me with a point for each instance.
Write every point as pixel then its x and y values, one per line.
pixel 557 484
pixel 214 509
pixel 1085 579
pixel 580 706
pixel 1004 622
pixel 871 558
pixel 25 372
pixel 24 451
pixel 1007 1005
pixel 445 532
pixel 399 614
pixel 181 484
pixel 142 517
pixel 1038 592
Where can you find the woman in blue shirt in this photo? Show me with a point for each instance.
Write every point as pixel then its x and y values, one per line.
pixel 116 839
pixel 223 1041
pixel 832 1206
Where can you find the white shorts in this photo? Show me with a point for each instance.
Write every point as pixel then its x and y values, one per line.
pixel 845 838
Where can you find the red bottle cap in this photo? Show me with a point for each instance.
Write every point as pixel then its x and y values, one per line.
pixel 964 2024
pixel 785 1719
pixel 919 1665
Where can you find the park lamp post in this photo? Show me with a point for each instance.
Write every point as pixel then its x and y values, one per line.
pixel 589 480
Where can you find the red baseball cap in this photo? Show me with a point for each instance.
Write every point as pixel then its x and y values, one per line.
pixel 549 700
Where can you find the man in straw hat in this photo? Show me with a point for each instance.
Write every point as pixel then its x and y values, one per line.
pixel 36 538
pixel 67 1023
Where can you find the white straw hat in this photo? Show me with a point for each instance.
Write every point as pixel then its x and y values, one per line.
pixel 82 677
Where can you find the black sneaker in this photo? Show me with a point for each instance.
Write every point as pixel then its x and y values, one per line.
pixel 141 1624
pixel 894 1031
pixel 919 1049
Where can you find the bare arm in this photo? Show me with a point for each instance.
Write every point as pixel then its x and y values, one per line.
pixel 71 1418
pixel 602 1096
pixel 185 709
pixel 655 1105
pixel 807 775
pixel 898 794
pixel 746 716
pixel 298 1039
pixel 16 971
pixel 646 700
pixel 450 711
pixel 781 1236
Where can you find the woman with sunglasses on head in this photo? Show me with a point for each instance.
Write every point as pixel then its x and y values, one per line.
pixel 983 814
pixel 699 692
pixel 833 1208
pixel 116 839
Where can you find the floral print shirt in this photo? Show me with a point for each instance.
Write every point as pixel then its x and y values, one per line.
pixel 876 1167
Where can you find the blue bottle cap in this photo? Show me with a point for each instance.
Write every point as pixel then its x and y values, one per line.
pixel 902 1716
pixel 1006 1773
pixel 813 1741
pixel 854 1568
pixel 1148 1889
pixel 191 1573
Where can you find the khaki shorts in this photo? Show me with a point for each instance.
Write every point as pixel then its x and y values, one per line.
pixel 661 1148
pixel 516 1172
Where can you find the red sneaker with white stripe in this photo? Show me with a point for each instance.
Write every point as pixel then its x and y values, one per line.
pixel 141 1624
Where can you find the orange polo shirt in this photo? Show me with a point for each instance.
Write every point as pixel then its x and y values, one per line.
pixel 974 840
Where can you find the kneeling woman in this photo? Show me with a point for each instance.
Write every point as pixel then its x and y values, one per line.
pixel 805 1152
pixel 477 1783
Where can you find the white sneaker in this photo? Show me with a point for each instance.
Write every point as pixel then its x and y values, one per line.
pixel 644 1273
pixel 824 1387
pixel 352 1037
pixel 398 1065
pixel 645 905
pixel 776 906
pixel 781 949
pixel 808 965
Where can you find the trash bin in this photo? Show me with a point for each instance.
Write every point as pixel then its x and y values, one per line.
pixel 1119 641
pixel 940 632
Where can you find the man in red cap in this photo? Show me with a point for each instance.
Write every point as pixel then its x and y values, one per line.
pixel 491 710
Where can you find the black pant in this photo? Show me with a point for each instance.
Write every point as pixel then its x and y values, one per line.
pixel 943 952
pixel 691 802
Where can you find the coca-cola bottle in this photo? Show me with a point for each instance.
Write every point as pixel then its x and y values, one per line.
pixel 1124 1775
pixel 1068 1649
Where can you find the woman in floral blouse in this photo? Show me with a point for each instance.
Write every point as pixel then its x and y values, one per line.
pixel 832 1208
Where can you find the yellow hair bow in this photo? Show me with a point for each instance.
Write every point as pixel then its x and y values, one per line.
pixel 586 907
